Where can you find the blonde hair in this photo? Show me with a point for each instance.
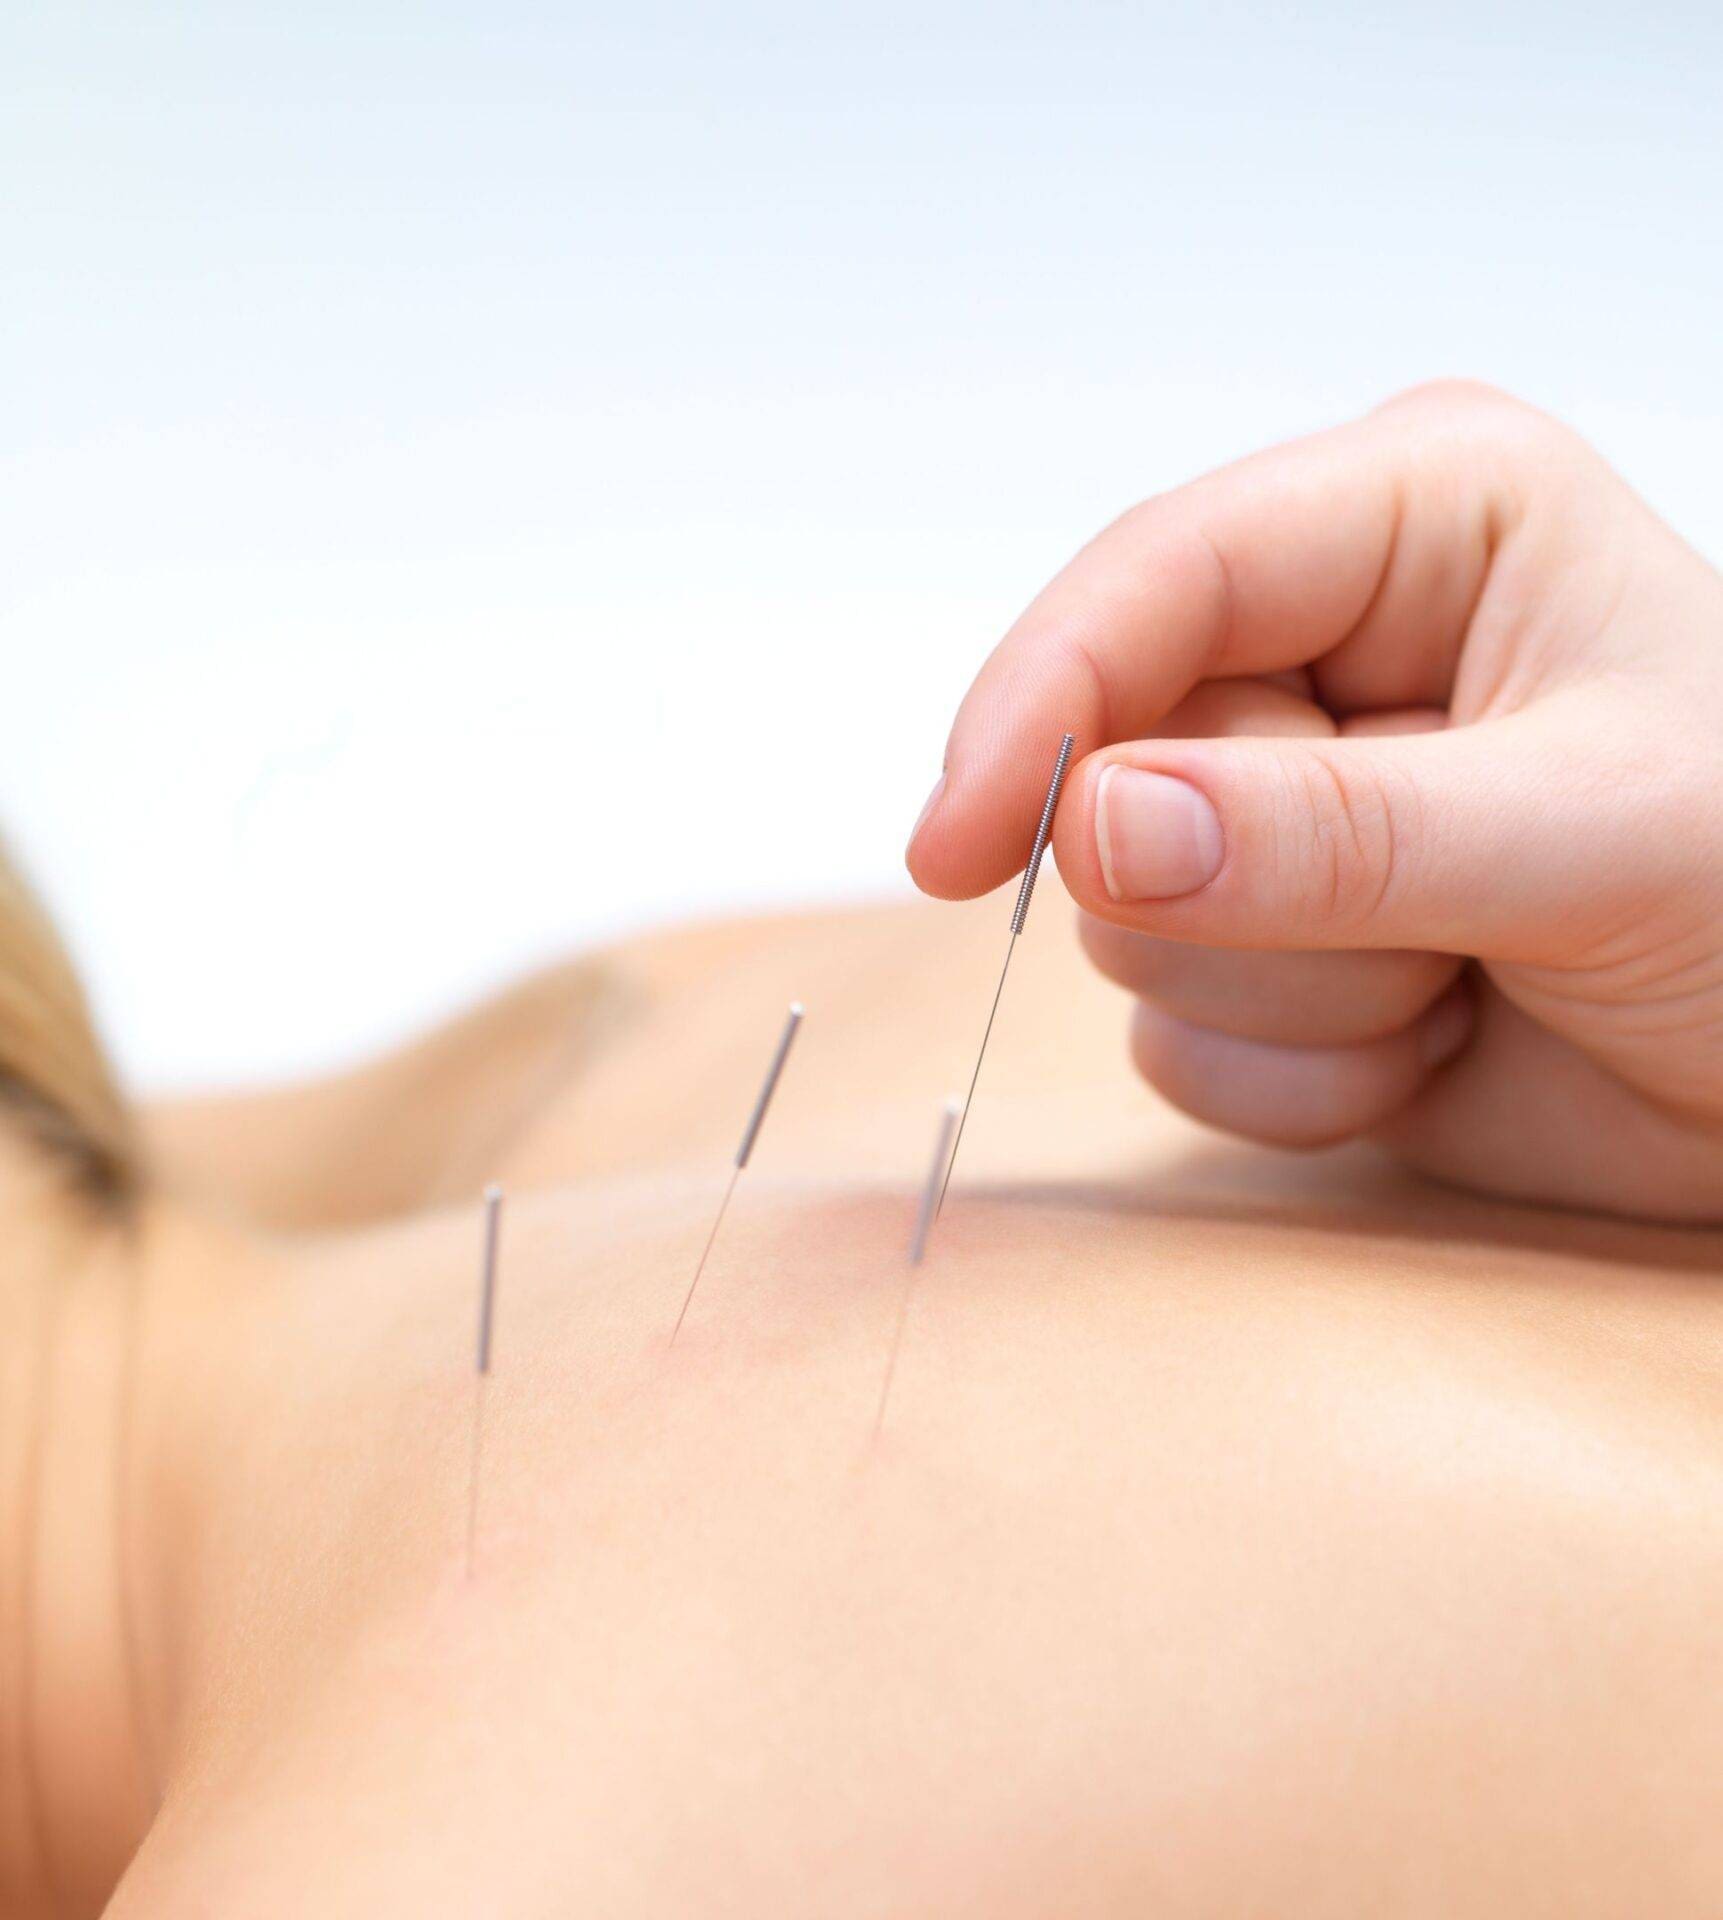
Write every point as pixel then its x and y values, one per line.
pixel 55 1081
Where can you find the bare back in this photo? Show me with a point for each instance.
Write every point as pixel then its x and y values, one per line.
pixel 1244 1534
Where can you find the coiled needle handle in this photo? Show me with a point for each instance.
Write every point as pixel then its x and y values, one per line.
pixel 1043 834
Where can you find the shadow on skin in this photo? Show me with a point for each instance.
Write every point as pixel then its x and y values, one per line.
pixel 1356 1192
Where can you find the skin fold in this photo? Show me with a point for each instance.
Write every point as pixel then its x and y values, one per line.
pixel 1246 1535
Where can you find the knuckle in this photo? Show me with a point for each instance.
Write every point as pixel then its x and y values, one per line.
pixel 1451 392
pixel 1483 418
pixel 1221 1088
pixel 1178 550
pixel 1355 828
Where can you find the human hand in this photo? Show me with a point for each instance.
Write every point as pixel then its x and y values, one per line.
pixel 1430 690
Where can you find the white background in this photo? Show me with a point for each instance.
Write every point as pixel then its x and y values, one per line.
pixel 478 478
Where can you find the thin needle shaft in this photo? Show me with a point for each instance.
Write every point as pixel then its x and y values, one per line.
pixel 473 1478
pixel 944 1146
pixel 1019 914
pixel 717 1222
pixel 482 1363
pixel 963 1117
pixel 750 1133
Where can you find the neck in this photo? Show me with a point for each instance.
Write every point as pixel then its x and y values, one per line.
pixel 80 1492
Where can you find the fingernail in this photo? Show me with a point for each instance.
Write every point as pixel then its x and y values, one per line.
pixel 932 801
pixel 1157 837
pixel 1447 1028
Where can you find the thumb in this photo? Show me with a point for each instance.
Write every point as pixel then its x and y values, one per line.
pixel 1523 839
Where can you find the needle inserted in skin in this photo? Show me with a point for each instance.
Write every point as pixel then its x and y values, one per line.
pixel 1019 914
pixel 482 1360
pixel 750 1134
pixel 942 1151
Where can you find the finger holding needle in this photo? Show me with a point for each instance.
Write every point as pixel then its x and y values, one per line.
pixel 1019 914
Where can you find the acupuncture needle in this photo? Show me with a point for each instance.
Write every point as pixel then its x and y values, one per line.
pixel 750 1134
pixel 482 1359
pixel 1019 914
pixel 942 1151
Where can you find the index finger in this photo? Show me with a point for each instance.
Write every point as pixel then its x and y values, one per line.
pixel 1363 550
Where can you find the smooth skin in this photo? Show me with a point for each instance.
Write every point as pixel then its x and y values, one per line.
pixel 1246 1536
pixel 1401 814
